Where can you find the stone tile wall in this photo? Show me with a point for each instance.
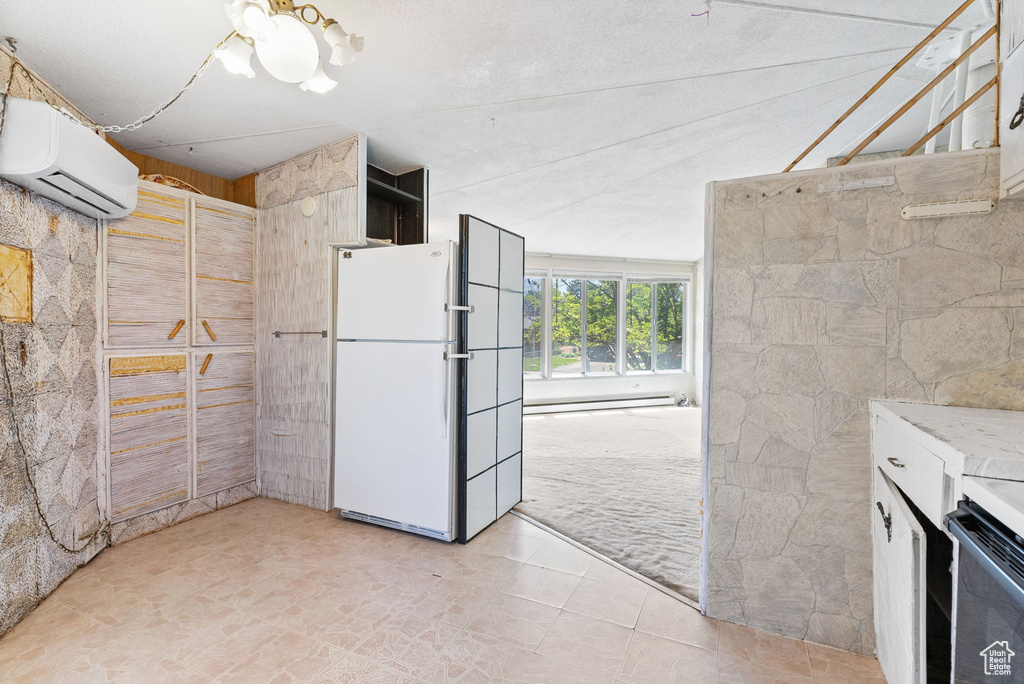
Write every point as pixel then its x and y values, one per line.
pixel 820 303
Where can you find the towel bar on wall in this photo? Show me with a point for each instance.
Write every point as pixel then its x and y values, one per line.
pixel 321 333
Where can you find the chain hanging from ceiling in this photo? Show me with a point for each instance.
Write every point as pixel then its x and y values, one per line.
pixel 274 29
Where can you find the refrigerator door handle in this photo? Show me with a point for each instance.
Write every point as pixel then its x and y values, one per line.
pixel 448 356
pixel 445 372
pixel 449 322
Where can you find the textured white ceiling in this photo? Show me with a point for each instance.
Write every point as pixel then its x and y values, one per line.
pixel 589 127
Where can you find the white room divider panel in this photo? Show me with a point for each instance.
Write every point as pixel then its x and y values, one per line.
pixel 491 422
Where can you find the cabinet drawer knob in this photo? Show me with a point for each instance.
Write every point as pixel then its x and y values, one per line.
pixel 209 331
pixel 177 329
pixel 895 462
pixel 886 520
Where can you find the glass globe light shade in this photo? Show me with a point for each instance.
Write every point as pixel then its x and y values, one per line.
pixel 319 82
pixel 290 52
pixel 251 18
pixel 256 16
pixel 344 46
pixel 235 55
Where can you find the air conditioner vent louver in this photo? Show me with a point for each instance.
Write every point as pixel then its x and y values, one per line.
pixel 102 204
pixel 393 524
pixel 47 153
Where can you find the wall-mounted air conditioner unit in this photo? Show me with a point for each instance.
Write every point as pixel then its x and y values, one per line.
pixel 44 151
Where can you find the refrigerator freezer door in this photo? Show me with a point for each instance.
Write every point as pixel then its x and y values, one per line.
pixel 394 463
pixel 490 473
pixel 397 293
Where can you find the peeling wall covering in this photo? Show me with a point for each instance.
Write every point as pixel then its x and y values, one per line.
pixel 821 302
pixel 54 381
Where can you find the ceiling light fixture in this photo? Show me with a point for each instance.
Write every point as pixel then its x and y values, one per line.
pixel 286 48
pixel 319 82
pixel 274 30
pixel 235 54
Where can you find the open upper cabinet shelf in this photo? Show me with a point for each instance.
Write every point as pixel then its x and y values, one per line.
pixel 392 207
pixel 387 193
pixel 396 206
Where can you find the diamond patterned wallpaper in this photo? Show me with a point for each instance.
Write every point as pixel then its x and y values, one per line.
pixel 53 379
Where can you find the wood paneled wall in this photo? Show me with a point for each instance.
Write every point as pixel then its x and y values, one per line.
pixel 240 191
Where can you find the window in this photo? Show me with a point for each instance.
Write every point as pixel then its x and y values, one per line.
pixel 533 326
pixel 602 325
pixel 586 325
pixel 670 305
pixel 566 326
pixel 655 325
pixel 639 316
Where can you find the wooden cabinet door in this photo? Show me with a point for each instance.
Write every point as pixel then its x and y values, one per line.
pixel 146 271
pixel 222 273
pixel 225 420
pixel 900 553
pixel 148 435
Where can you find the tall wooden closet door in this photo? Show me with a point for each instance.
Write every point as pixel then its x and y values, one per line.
pixel 224 421
pixel 490 449
pixel 148 434
pixel 222 273
pixel 146 265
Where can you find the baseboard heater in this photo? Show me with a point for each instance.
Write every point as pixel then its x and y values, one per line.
pixel 598 405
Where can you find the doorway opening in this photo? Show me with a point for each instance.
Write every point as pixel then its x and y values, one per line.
pixel 611 439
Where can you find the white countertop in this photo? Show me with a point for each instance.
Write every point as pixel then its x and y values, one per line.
pixel 978 442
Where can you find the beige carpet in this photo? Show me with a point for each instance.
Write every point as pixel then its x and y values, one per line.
pixel 625 483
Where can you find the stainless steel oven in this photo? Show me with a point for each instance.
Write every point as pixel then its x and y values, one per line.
pixel 988 620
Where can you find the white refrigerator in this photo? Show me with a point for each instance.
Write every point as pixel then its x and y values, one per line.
pixel 396 398
pixel 429 383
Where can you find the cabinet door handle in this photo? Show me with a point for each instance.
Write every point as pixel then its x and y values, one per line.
pixel 209 357
pixel 177 329
pixel 209 331
pixel 895 463
pixel 886 520
pixel 1018 117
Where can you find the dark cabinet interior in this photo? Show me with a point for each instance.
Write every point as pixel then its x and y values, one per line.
pixel 396 206
pixel 938 627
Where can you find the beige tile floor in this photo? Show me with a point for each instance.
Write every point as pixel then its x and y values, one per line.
pixel 270 592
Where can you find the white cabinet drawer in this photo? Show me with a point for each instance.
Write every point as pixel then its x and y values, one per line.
pixel 914 469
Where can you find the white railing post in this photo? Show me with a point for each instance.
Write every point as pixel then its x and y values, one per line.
pixel 934 114
pixel 956 131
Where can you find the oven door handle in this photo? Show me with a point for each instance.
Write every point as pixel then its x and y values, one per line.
pixel 989 562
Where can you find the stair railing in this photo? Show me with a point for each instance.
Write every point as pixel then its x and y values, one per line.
pixel 961 59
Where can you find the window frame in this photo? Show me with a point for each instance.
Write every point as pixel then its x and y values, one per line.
pixel 684 332
pixel 549 347
pixel 545 319
pixel 623 279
